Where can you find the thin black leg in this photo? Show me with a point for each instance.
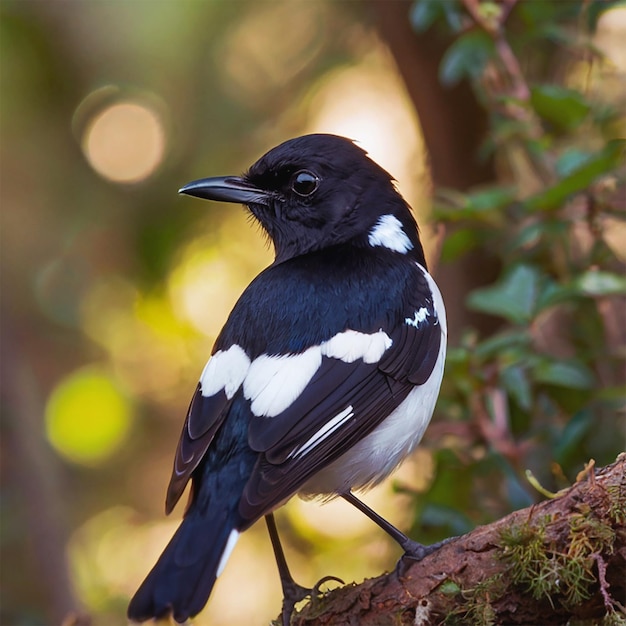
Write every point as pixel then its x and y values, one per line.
pixel 292 591
pixel 412 549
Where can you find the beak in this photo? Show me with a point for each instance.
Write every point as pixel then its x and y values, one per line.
pixel 226 189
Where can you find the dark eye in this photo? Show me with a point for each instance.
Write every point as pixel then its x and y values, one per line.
pixel 304 183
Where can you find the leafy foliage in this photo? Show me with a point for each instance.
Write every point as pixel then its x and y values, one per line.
pixel 544 387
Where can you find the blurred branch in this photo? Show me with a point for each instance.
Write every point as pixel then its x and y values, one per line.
pixel 507 87
pixel 558 560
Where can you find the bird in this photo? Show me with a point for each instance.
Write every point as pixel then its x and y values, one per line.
pixel 324 376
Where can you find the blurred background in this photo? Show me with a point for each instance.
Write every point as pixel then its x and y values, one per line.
pixel 498 120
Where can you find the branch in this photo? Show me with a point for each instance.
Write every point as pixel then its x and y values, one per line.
pixel 562 559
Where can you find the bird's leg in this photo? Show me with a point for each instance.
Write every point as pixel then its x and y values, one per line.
pixel 292 591
pixel 412 549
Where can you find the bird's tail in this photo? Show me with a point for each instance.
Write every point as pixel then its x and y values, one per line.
pixel 182 579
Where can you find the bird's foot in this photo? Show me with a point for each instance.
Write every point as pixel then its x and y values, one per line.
pixel 294 593
pixel 414 551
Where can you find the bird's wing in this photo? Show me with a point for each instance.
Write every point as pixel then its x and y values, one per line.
pixel 220 381
pixel 204 417
pixel 342 402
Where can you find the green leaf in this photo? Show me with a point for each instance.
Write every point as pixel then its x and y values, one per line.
pixel 597 165
pixel 534 232
pixel 453 14
pixel 458 243
pixel 516 492
pixel 513 297
pixel 537 14
pixel 564 108
pixel 614 394
pixel 572 434
pixel 571 160
pixel 570 374
pixel 502 342
pixel 449 588
pixel 598 283
pixel 457 355
pixel 466 57
pixel 552 294
pixel 424 13
pixel 516 382
pixel 489 199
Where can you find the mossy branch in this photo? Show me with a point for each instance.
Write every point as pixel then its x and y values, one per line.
pixel 559 560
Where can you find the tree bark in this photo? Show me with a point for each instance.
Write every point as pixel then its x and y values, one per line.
pixel 562 559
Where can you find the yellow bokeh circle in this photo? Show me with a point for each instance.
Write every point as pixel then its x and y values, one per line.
pixel 87 417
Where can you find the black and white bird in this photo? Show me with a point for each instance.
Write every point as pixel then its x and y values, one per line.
pixel 325 375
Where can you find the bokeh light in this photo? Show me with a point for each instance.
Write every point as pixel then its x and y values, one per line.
pixel 609 36
pixel 87 417
pixel 368 103
pixel 259 54
pixel 108 553
pixel 125 142
pixel 213 270
pixel 204 288
pixel 116 316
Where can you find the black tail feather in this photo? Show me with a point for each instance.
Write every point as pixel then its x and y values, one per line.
pixel 182 579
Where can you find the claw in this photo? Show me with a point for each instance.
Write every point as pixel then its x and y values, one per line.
pixel 321 581
pixel 294 593
pixel 414 551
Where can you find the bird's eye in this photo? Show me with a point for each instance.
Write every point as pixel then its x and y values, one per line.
pixel 304 183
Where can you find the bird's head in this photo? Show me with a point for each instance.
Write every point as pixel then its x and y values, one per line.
pixel 318 191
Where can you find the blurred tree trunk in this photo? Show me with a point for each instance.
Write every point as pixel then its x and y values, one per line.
pixel 33 467
pixel 453 125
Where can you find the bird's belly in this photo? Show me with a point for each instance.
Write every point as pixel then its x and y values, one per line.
pixel 374 457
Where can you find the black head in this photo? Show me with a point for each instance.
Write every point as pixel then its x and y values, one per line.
pixel 317 191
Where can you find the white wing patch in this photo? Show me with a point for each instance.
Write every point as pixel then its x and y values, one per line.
pixel 274 382
pixel 419 317
pixel 225 370
pixel 388 233
pixel 352 345
pixel 328 429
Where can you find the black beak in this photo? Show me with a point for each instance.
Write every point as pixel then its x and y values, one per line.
pixel 226 189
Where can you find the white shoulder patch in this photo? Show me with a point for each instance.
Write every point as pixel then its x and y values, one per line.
pixel 388 233
pixel 225 370
pixel 274 382
pixel 351 345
